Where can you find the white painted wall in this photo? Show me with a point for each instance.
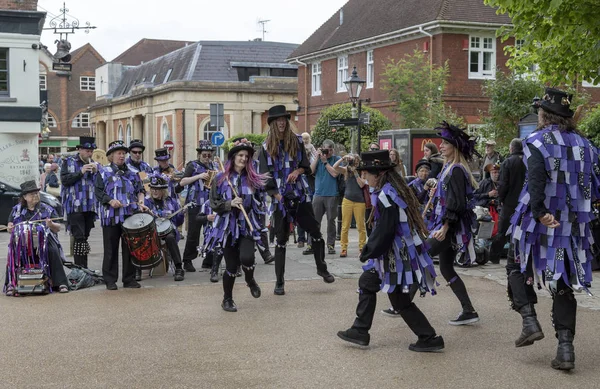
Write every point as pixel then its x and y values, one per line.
pixel 23 80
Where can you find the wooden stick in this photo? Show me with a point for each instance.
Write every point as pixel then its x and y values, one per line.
pixel 429 202
pixel 235 193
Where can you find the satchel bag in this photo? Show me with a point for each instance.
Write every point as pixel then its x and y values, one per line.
pixel 53 191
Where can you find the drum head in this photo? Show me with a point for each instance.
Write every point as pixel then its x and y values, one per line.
pixel 138 221
pixel 162 225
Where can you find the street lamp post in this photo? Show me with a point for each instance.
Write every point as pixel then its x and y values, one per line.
pixel 354 86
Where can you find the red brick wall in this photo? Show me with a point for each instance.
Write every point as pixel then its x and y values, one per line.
pixel 462 94
pixel 24 5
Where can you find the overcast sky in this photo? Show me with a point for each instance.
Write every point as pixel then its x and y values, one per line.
pixel 121 23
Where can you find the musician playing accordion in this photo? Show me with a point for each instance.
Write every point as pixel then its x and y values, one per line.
pixel 161 205
pixel 33 245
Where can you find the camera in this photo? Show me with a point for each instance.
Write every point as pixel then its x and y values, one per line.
pixel 325 152
pixel 351 162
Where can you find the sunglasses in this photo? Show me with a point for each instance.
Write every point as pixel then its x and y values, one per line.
pixel 205 155
pixel 136 152
pixel 374 149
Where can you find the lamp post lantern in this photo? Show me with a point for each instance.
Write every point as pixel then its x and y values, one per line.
pixel 354 86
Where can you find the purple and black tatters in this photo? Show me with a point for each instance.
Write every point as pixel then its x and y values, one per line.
pixel 548 138
pixel 556 163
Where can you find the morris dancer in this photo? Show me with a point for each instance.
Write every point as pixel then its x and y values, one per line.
pixel 195 175
pixel 78 175
pixel 206 217
pixel 452 217
pixel 421 185
pixel 398 263
pixel 119 192
pixel 134 162
pixel 167 171
pixel 284 157
pixel 31 209
pixel 160 204
pixel 551 225
pixel 230 228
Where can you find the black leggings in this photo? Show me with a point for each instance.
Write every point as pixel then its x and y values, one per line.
pixel 305 218
pixel 447 255
pixel 241 253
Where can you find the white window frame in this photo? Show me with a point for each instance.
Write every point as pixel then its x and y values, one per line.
pixel 482 44
pixel 120 132
pixel 51 121
pixel 370 69
pixel 81 121
pixel 166 134
pixel 316 78
pixel 43 82
pixel 87 83
pixel 128 134
pixel 342 73
pixel 6 70
pixel 168 75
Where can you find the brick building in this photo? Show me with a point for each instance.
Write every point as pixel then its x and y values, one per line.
pixel 69 96
pixel 170 97
pixel 146 50
pixel 367 34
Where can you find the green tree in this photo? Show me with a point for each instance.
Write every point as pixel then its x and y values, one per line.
pixel 510 99
pixel 561 37
pixel 417 89
pixel 590 125
pixel 342 135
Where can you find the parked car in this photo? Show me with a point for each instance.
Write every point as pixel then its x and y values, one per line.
pixel 8 199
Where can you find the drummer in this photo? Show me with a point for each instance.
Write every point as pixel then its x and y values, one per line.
pixel 30 208
pixel 161 205
pixel 120 193
pixel 167 171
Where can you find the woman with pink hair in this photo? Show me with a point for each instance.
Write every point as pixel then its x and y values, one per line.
pixel 237 189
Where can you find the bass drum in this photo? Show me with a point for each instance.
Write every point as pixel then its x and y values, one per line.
pixel 164 227
pixel 139 231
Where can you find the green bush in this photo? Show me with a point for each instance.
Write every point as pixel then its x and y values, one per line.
pixel 590 125
pixel 342 135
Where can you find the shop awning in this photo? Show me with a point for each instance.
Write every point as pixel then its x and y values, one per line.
pixel 50 143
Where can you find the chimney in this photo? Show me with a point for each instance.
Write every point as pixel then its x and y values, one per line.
pixel 341 16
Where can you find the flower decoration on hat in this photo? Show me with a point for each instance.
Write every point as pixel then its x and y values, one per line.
pixel 239 144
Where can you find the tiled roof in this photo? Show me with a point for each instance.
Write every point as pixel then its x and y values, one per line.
pixel 148 49
pixel 366 19
pixel 203 61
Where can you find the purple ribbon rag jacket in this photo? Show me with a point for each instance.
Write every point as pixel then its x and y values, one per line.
pixel 119 184
pixel 571 174
pixel 197 191
pixel 458 212
pixel 138 167
pixel 407 261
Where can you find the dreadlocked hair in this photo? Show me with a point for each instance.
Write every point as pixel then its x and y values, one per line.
pixel 415 220
pixel 290 141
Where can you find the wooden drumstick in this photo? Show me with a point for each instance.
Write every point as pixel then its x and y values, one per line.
pixel 235 194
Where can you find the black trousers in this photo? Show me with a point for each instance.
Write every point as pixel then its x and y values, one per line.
pixel 241 253
pixel 305 217
pixel 111 236
pixel 193 238
pixel 81 223
pixel 447 255
pixel 368 225
pixel 173 248
pixel 369 284
pixel 521 292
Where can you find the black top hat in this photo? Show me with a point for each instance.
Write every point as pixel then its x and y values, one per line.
pixel 157 182
pixel 205 145
pixel 557 102
pixel 458 138
pixel 239 144
pixel 278 111
pixel 375 161
pixel 421 163
pixel 161 154
pixel 137 143
pixel 87 142
pixel 29 187
pixel 116 145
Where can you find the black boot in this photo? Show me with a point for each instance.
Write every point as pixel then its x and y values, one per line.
pixel 565 353
pixel 188 266
pixel 214 271
pixel 468 314
pixel 279 270
pixel 353 336
pixel 319 254
pixel 138 274
pixel 532 330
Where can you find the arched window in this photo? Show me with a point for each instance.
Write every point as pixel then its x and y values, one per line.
pixel 128 135
pixel 120 133
pixel 208 131
pixel 166 134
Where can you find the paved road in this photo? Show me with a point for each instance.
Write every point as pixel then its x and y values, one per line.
pixel 171 334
